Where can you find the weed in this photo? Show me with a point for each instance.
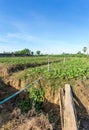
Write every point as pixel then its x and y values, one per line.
pixel 25 105
pixel 37 97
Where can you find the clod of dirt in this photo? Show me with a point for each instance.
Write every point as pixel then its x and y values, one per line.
pixel 16 113
pixel 37 123
pixel 4 71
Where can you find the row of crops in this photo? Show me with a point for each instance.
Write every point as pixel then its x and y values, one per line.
pixel 28 60
pixel 71 69
pixel 59 68
pixel 74 68
pixel 62 68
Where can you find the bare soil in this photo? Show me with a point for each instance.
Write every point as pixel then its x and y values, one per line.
pixel 28 121
pixel 11 117
pixel 81 98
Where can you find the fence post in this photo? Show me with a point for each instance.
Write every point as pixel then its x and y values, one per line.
pixel 48 65
pixel 70 122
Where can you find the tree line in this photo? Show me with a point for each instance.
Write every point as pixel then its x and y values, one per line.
pixel 28 52
pixel 24 52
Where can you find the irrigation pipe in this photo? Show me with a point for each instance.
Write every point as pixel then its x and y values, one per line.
pixel 13 95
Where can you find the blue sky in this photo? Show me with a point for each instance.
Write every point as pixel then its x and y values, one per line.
pixel 52 26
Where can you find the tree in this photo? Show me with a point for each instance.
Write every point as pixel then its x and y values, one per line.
pixel 84 49
pixel 38 52
pixel 32 53
pixel 79 52
pixel 24 51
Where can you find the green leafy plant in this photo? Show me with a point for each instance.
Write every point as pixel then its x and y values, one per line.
pixel 37 97
pixel 25 105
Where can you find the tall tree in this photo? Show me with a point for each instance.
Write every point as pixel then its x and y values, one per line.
pixel 84 49
pixel 32 53
pixel 79 52
pixel 38 52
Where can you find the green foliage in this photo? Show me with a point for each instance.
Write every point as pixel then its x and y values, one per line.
pixel 84 49
pixel 32 53
pixel 25 105
pixel 73 69
pixel 37 97
pixel 24 51
pixel 38 52
pixel 31 61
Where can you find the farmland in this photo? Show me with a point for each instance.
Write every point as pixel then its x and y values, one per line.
pixel 43 94
pixel 71 69
pixel 26 60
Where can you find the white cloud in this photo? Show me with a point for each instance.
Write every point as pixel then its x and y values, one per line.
pixel 25 37
pixel 17 41
pixel 8 48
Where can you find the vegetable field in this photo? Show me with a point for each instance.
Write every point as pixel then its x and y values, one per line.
pixel 43 97
pixel 28 60
pixel 55 68
pixel 71 69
